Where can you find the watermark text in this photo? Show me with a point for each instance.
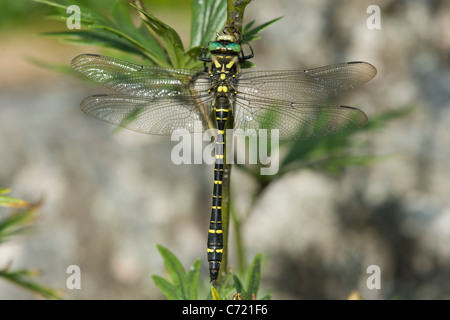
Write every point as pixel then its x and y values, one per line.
pixel 189 148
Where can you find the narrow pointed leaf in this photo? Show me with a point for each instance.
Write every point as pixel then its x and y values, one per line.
pixel 198 21
pixel 192 280
pixel 208 17
pixel 254 277
pixel 16 223
pixel 121 16
pixel 174 268
pixel 248 25
pixel 140 37
pixel 239 287
pixel 52 4
pixel 251 35
pixel 173 265
pixel 169 37
pixel 97 38
pixel 167 288
pixel 23 278
pixel 150 53
pixel 7 201
pixel 215 294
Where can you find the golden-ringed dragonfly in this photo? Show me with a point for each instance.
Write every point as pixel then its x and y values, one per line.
pixel 158 100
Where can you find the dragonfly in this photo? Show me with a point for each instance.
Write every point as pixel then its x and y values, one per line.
pixel 160 101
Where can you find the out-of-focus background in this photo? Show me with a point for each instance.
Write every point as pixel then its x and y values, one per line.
pixel 109 198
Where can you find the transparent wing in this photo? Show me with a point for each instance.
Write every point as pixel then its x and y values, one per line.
pixel 292 101
pixel 151 100
pixel 154 116
pixel 295 121
pixel 305 85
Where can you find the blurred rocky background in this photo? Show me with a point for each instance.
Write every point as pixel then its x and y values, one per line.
pixel 109 197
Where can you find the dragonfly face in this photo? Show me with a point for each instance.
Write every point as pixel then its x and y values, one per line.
pixel 157 100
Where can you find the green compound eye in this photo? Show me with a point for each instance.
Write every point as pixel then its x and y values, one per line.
pixel 234 47
pixel 213 46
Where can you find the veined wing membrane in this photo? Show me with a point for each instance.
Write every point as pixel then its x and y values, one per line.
pixel 296 121
pixel 151 99
pixel 128 78
pixel 305 85
pixel 153 116
pixel 292 101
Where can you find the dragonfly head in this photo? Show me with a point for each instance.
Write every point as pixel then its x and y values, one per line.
pixel 225 44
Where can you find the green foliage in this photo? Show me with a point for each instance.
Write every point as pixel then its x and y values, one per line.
pixel 115 32
pixel 24 279
pixel 253 281
pixel 151 39
pixel 14 224
pixel 207 18
pixel 252 34
pixel 184 285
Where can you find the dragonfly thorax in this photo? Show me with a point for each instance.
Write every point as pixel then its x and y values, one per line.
pixel 223 70
pixel 228 65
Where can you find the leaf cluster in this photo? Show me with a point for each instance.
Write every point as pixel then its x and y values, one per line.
pixel 14 224
pixel 150 39
pixel 184 285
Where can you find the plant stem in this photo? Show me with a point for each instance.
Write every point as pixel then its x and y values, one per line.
pixel 235 17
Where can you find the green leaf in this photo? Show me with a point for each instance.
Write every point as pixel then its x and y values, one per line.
pixel 208 17
pixel 52 4
pixel 8 201
pixel 193 62
pixel 381 119
pixel 87 15
pixel 168 289
pixel 99 37
pixel 335 165
pixel 266 297
pixel 173 265
pixel 224 286
pixel 121 16
pixel 22 277
pixel 169 37
pixel 332 153
pixel 248 26
pixel 140 37
pixel 254 277
pixel 119 33
pixel 191 280
pixel 185 285
pixel 130 39
pixel 16 224
pixel 238 286
pixel 215 294
pixel 251 35
pixel 15 221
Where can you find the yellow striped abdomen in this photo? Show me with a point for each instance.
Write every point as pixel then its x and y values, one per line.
pixel 215 235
